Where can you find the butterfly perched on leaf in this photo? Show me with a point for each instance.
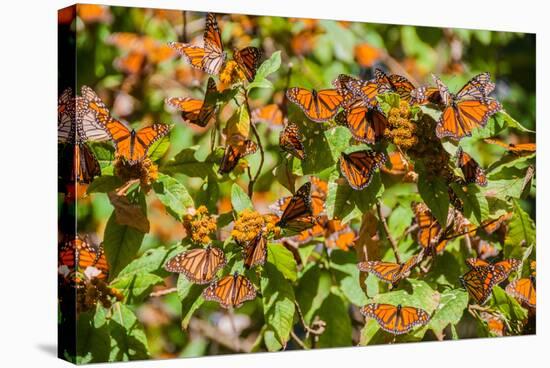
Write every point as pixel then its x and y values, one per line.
pixel 248 60
pixel 366 124
pixel 210 57
pixel 468 109
pixel 524 290
pixel 255 251
pixel 423 95
pixel 398 164
pixel 130 144
pixel 298 214
pixel 290 140
pixel 482 276
pixel 358 167
pixel 366 90
pixel 430 233
pixel 501 269
pixel 195 111
pixel 237 147
pixel 391 272
pixel 396 319
pixel 394 83
pixel 473 173
pixel 198 265
pixel 344 86
pixel 318 106
pixel 230 291
pixel 78 254
pixel 518 149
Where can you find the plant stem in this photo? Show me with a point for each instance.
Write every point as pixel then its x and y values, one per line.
pixel 298 341
pixel 387 231
pixel 260 146
pixel 163 292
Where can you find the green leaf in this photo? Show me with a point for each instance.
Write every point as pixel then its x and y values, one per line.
pixel 476 207
pixel 93 342
pixel 173 195
pixel 151 261
pixel 209 195
pixel 121 244
pixel 278 301
pixel 104 184
pixel 239 199
pixel 239 123
pixel 452 304
pixel 191 298
pixel 313 288
pixel 186 163
pixel 509 307
pixel 338 332
pixel 344 269
pixel 159 148
pixel 268 67
pixel 521 230
pixel 136 287
pixel 511 122
pixel 128 340
pixel 434 193
pixel 283 259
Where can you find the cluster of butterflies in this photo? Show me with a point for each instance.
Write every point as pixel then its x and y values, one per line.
pixel 86 118
pixel 78 256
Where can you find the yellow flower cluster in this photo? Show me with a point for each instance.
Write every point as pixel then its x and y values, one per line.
pixel 199 225
pixel 247 226
pixel 401 130
pixel 146 171
pixel 89 293
pixel 230 74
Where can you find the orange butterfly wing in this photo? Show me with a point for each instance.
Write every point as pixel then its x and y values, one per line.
pixel 298 214
pixel 386 271
pixel 473 173
pixel 365 124
pixel 479 282
pixel 396 319
pixel 290 140
pixel 248 60
pixel 198 265
pixel 358 167
pixel 270 114
pixel 319 106
pixel 255 252
pixel 524 290
pixel 231 291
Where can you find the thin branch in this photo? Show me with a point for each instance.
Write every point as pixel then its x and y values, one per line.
pixel 320 325
pixel 184 29
pixel 298 341
pixel 387 231
pixel 260 146
pixel 163 292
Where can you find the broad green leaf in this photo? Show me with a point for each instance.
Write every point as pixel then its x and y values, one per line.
pixel 313 288
pixel 121 245
pixel 173 195
pixel 268 67
pixel 511 122
pixel 283 259
pixel 191 298
pixel 239 199
pixel 209 195
pixel 128 340
pixel 186 163
pixel 104 184
pixel 151 261
pixel 344 269
pixel 451 306
pixel 159 148
pixel 278 301
pixel 338 332
pixel 271 341
pixel 137 286
pixel 239 123
pixel 521 230
pixel 434 193
pixel 509 307
pixel 476 207
pixel 92 337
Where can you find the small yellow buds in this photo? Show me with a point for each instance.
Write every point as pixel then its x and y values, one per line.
pixel 247 226
pixel 199 225
pixel 401 130
pixel 146 171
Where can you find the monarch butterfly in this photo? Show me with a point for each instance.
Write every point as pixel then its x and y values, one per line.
pixel 237 148
pixel 518 149
pixel 255 252
pixel 495 324
pixel 78 164
pixel 319 189
pixel 364 89
pixel 396 319
pixel 198 265
pixel 130 144
pixel 196 111
pixel 343 85
pixel 490 226
pixel 365 124
pixel 303 42
pixel 473 173
pixel 338 235
pixel 470 108
pixel 394 83
pixel 248 60
pixel 319 106
pixel 501 270
pixel 524 290
pixel 485 249
pixel 297 214
pixel 390 272
pixel 479 282
pixel 423 95
pixel 66 116
pixel 429 230
pixel 270 114
pixel 398 164
pixel 290 140
pixel 230 291
pixel 208 58
pixel 358 167
pixel 88 106
pixel 78 254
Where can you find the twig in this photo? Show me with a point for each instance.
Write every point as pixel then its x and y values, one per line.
pixel 184 29
pixel 298 341
pixel 124 188
pixel 309 330
pixel 387 231
pixel 260 146
pixel 163 292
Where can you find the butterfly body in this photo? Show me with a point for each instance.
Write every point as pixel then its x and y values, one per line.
pixel 482 276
